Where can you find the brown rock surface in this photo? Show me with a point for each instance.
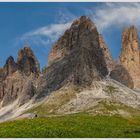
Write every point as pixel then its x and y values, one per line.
pixel 2 74
pixel 27 62
pixel 107 54
pixel 10 67
pixel 130 55
pixel 17 86
pixel 18 80
pixel 79 35
pixel 120 74
pixel 78 57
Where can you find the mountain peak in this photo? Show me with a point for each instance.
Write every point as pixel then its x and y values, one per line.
pixel 82 20
pixel 83 23
pixel 129 35
pixel 26 51
pixel 73 38
pixel 132 27
pixel 130 56
pixel 10 58
pixel 79 56
pixel 10 66
pixel 128 71
pixel 15 79
pixel 27 61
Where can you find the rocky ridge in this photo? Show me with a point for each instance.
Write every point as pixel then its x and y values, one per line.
pixel 80 65
pixel 17 78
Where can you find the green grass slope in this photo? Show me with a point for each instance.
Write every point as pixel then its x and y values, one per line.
pixel 77 125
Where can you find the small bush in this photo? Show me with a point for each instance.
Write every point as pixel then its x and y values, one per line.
pixel 110 89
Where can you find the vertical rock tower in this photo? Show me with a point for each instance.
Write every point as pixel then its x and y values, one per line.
pixel 130 55
pixel 27 62
pixel 80 56
pixel 17 79
pixel 107 54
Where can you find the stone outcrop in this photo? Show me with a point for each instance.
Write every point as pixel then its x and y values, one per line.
pixel 10 67
pixel 17 86
pixel 107 54
pixel 78 57
pixel 2 74
pixel 130 55
pixel 82 34
pixel 18 79
pixel 27 62
pixel 120 74
pixel 129 59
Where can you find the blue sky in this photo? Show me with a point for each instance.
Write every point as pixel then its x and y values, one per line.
pixel 41 24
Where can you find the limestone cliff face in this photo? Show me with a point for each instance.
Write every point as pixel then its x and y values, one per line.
pixel 14 87
pixel 127 71
pixel 121 74
pixel 27 62
pixel 107 54
pixel 2 74
pixel 130 55
pixel 18 79
pixel 78 57
pixel 82 34
pixel 10 67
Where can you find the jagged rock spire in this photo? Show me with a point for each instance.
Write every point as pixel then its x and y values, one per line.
pixel 27 61
pixel 10 66
pixel 78 57
pixel 130 55
pixel 16 78
pixel 107 54
pixel 74 38
pixel 79 35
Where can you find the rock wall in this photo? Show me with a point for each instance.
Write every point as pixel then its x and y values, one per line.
pixel 130 55
pixel 79 57
pixel 18 79
pixel 27 62
pixel 129 59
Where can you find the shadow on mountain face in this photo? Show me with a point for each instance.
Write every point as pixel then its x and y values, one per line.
pixel 79 58
pixel 80 67
pixel 121 75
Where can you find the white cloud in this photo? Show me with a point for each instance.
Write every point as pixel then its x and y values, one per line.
pixel 105 15
pixel 46 34
pixel 115 14
pixel 64 16
pixel 50 30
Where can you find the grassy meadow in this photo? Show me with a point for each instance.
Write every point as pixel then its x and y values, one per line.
pixel 72 126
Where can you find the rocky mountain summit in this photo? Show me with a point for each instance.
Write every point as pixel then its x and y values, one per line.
pixel 128 69
pixel 82 34
pixel 78 57
pixel 17 78
pixel 130 54
pixel 27 62
pixel 80 76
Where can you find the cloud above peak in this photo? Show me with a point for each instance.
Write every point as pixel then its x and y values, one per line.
pixel 115 14
pixel 105 15
pixel 46 34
